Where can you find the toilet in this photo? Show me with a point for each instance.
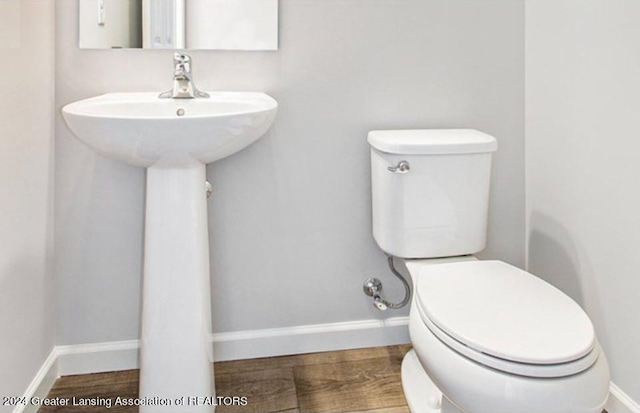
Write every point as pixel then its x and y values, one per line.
pixel 487 337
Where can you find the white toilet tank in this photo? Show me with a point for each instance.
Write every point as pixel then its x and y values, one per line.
pixel 430 191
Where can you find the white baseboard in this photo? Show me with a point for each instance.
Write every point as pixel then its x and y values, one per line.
pixel 620 402
pixel 98 357
pixel 123 355
pixel 310 338
pixel 41 383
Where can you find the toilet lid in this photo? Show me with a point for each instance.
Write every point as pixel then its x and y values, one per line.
pixel 497 309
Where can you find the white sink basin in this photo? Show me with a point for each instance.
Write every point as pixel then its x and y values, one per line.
pixel 174 139
pixel 142 129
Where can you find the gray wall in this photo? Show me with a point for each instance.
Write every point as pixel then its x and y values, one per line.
pixel 26 193
pixel 582 165
pixel 290 217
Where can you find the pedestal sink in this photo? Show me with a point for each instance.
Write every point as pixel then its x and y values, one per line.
pixel 174 139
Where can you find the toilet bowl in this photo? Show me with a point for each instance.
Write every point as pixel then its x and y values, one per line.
pixel 487 337
pixel 542 361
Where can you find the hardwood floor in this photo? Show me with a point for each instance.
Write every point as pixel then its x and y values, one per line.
pixel 362 381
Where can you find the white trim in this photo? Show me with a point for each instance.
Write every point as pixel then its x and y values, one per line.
pixel 123 355
pixel 310 338
pixel 620 402
pixel 98 357
pixel 41 383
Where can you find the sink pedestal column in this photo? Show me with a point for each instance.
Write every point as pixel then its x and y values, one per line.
pixel 176 354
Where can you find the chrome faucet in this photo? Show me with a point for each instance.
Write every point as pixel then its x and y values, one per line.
pixel 183 86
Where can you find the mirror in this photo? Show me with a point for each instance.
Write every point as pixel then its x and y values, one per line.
pixel 179 24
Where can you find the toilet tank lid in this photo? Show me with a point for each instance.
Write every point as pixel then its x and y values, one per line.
pixel 432 141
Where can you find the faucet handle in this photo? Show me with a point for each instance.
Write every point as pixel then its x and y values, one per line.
pixel 181 58
pixel 182 61
pixel 183 86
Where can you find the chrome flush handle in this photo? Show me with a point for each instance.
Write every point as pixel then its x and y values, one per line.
pixel 401 168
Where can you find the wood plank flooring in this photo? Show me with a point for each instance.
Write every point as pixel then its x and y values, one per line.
pixel 353 381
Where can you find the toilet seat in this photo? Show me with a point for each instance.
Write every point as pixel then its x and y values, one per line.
pixel 489 311
pixel 507 366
